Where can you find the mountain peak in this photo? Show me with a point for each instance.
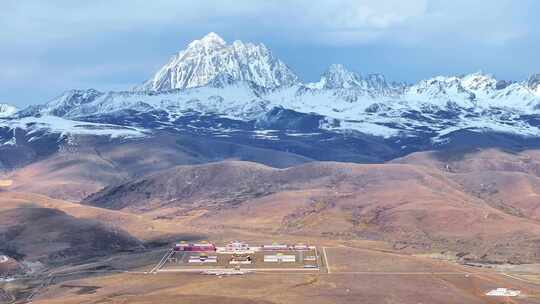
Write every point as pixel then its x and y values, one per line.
pixel 338 77
pixel 534 82
pixel 213 37
pixel 479 81
pixel 7 110
pixel 210 40
pixel 211 57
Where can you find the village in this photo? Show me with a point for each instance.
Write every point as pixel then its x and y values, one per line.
pixel 238 257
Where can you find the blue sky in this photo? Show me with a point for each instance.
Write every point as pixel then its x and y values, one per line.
pixel 47 47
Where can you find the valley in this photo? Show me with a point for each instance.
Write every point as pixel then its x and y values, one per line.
pixel 406 193
pixel 423 224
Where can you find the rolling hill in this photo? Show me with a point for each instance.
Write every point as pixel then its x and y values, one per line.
pixel 415 207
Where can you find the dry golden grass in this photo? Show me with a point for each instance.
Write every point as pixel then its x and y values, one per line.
pixel 425 201
pixel 337 287
pixel 140 226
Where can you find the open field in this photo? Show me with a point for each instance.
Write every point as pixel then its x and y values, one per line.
pixel 395 279
pixel 392 233
pixel 351 271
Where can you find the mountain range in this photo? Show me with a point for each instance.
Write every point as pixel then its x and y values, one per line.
pixel 431 188
pixel 242 93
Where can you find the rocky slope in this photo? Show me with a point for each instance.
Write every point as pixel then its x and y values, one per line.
pixel 211 61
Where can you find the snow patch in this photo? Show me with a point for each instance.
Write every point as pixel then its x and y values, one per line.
pixel 63 126
pixel 7 110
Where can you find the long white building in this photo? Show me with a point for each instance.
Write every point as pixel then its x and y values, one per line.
pixel 503 292
pixel 280 258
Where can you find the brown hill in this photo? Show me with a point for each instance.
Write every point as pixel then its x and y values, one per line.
pixel 140 226
pixel 51 236
pixel 506 181
pixel 79 170
pixel 414 206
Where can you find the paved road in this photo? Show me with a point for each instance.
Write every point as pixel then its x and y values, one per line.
pixel 326 260
pixel 163 260
pixel 198 270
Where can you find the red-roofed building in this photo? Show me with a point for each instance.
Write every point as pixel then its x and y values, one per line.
pixel 195 247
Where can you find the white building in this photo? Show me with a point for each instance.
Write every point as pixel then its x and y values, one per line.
pixel 275 246
pixel 503 292
pixel 226 272
pixel 302 247
pixel 279 258
pixel 237 247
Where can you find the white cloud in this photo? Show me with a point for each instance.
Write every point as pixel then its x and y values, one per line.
pixel 349 15
pixel 36 22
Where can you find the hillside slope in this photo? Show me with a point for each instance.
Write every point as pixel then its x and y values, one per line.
pixel 508 181
pixel 414 207
pixel 51 236
pixel 82 167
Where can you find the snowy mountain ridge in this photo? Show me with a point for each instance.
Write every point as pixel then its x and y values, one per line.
pixel 244 82
pixel 7 110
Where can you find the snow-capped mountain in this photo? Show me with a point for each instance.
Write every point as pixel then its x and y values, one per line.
pixel 211 59
pixel 72 99
pixel 534 83
pixel 7 110
pixel 368 105
pixel 337 77
pixel 219 89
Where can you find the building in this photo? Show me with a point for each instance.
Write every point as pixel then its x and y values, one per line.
pixel 280 258
pixel 503 292
pixel 301 247
pixel 195 247
pixel 202 259
pixel 238 247
pixel 275 247
pixel 226 272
